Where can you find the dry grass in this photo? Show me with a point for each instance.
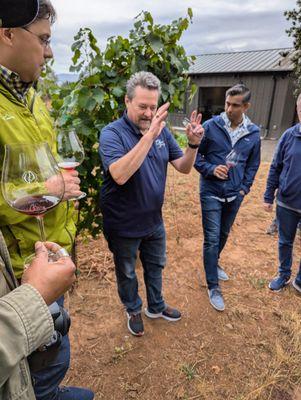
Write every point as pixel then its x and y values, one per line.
pixel 252 351
pixel 283 372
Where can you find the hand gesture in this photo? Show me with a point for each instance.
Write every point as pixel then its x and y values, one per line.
pixel 194 129
pixel 158 122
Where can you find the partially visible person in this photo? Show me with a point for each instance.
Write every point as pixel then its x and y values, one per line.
pixel 223 187
pixel 24 50
pixel 273 228
pixel 25 320
pixel 135 151
pixel 285 178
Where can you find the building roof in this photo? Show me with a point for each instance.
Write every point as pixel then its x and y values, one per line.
pixel 275 60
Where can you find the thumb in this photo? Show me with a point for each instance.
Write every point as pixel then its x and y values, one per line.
pixel 41 251
pixel 162 125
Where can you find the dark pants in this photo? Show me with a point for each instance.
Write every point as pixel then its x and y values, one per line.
pixel 287 226
pixel 47 381
pixel 153 257
pixel 217 219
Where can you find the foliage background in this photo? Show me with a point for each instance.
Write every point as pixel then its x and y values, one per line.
pixel 295 32
pixel 97 98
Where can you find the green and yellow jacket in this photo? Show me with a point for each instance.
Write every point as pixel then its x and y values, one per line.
pixel 31 123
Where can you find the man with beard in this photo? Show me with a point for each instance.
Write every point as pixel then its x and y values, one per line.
pixel 135 151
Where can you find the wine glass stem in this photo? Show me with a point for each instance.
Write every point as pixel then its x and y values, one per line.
pixel 42 228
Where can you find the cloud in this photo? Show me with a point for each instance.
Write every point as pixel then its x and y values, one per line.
pixel 219 25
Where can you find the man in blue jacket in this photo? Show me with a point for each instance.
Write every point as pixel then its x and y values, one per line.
pixel 285 177
pixel 222 186
pixel 135 151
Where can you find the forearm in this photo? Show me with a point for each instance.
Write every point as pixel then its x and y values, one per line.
pixel 25 324
pixel 271 186
pixel 123 169
pixel 186 162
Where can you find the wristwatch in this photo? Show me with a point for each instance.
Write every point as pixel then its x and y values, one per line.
pixel 193 146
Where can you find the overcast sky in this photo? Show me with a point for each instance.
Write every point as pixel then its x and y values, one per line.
pixel 218 25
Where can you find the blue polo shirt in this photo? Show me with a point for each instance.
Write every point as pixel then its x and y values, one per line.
pixel 134 209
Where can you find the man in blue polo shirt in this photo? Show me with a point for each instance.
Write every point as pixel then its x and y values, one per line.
pixel 285 178
pixel 135 151
pixel 228 159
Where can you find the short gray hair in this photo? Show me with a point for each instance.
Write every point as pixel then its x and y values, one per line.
pixel 144 79
pixel 240 90
pixel 46 11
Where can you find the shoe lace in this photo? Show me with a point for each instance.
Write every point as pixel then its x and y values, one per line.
pixel 136 317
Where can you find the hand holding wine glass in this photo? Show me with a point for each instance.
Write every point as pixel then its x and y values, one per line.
pixel 71 154
pixel 53 279
pixel 232 159
pixel 32 183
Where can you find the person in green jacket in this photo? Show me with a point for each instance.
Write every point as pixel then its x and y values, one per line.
pixel 24 118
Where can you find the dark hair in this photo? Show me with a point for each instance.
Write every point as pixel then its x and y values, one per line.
pixel 241 90
pixel 46 11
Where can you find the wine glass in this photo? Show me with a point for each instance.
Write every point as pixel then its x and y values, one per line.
pixel 70 153
pixel 186 121
pixel 232 159
pixel 31 183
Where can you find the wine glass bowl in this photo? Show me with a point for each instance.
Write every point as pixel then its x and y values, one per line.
pixel 31 183
pixel 70 152
pixel 232 159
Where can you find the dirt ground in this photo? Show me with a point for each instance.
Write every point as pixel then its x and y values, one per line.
pixel 250 351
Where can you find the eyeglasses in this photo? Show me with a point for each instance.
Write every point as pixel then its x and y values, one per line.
pixel 45 42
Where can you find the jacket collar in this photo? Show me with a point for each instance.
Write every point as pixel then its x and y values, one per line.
pixel 14 84
pixel 218 120
pixel 297 130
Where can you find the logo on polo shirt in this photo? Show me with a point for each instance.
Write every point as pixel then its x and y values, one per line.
pixel 160 143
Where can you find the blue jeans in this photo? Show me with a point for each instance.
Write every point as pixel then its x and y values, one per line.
pixel 217 219
pixel 47 381
pixel 153 257
pixel 287 226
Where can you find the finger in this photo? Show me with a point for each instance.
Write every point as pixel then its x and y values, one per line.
pixel 41 251
pixel 67 262
pixel 163 123
pixel 54 247
pixel 199 118
pixel 199 131
pixel 223 169
pixel 193 116
pixel 74 193
pixel 163 108
pixel 75 181
pixel 161 117
pixel 71 172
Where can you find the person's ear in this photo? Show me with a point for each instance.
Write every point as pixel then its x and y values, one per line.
pixel 126 100
pixel 246 106
pixel 6 36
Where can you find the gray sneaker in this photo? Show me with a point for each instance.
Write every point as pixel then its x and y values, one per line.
pixel 170 314
pixel 221 274
pixel 297 285
pixel 216 299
